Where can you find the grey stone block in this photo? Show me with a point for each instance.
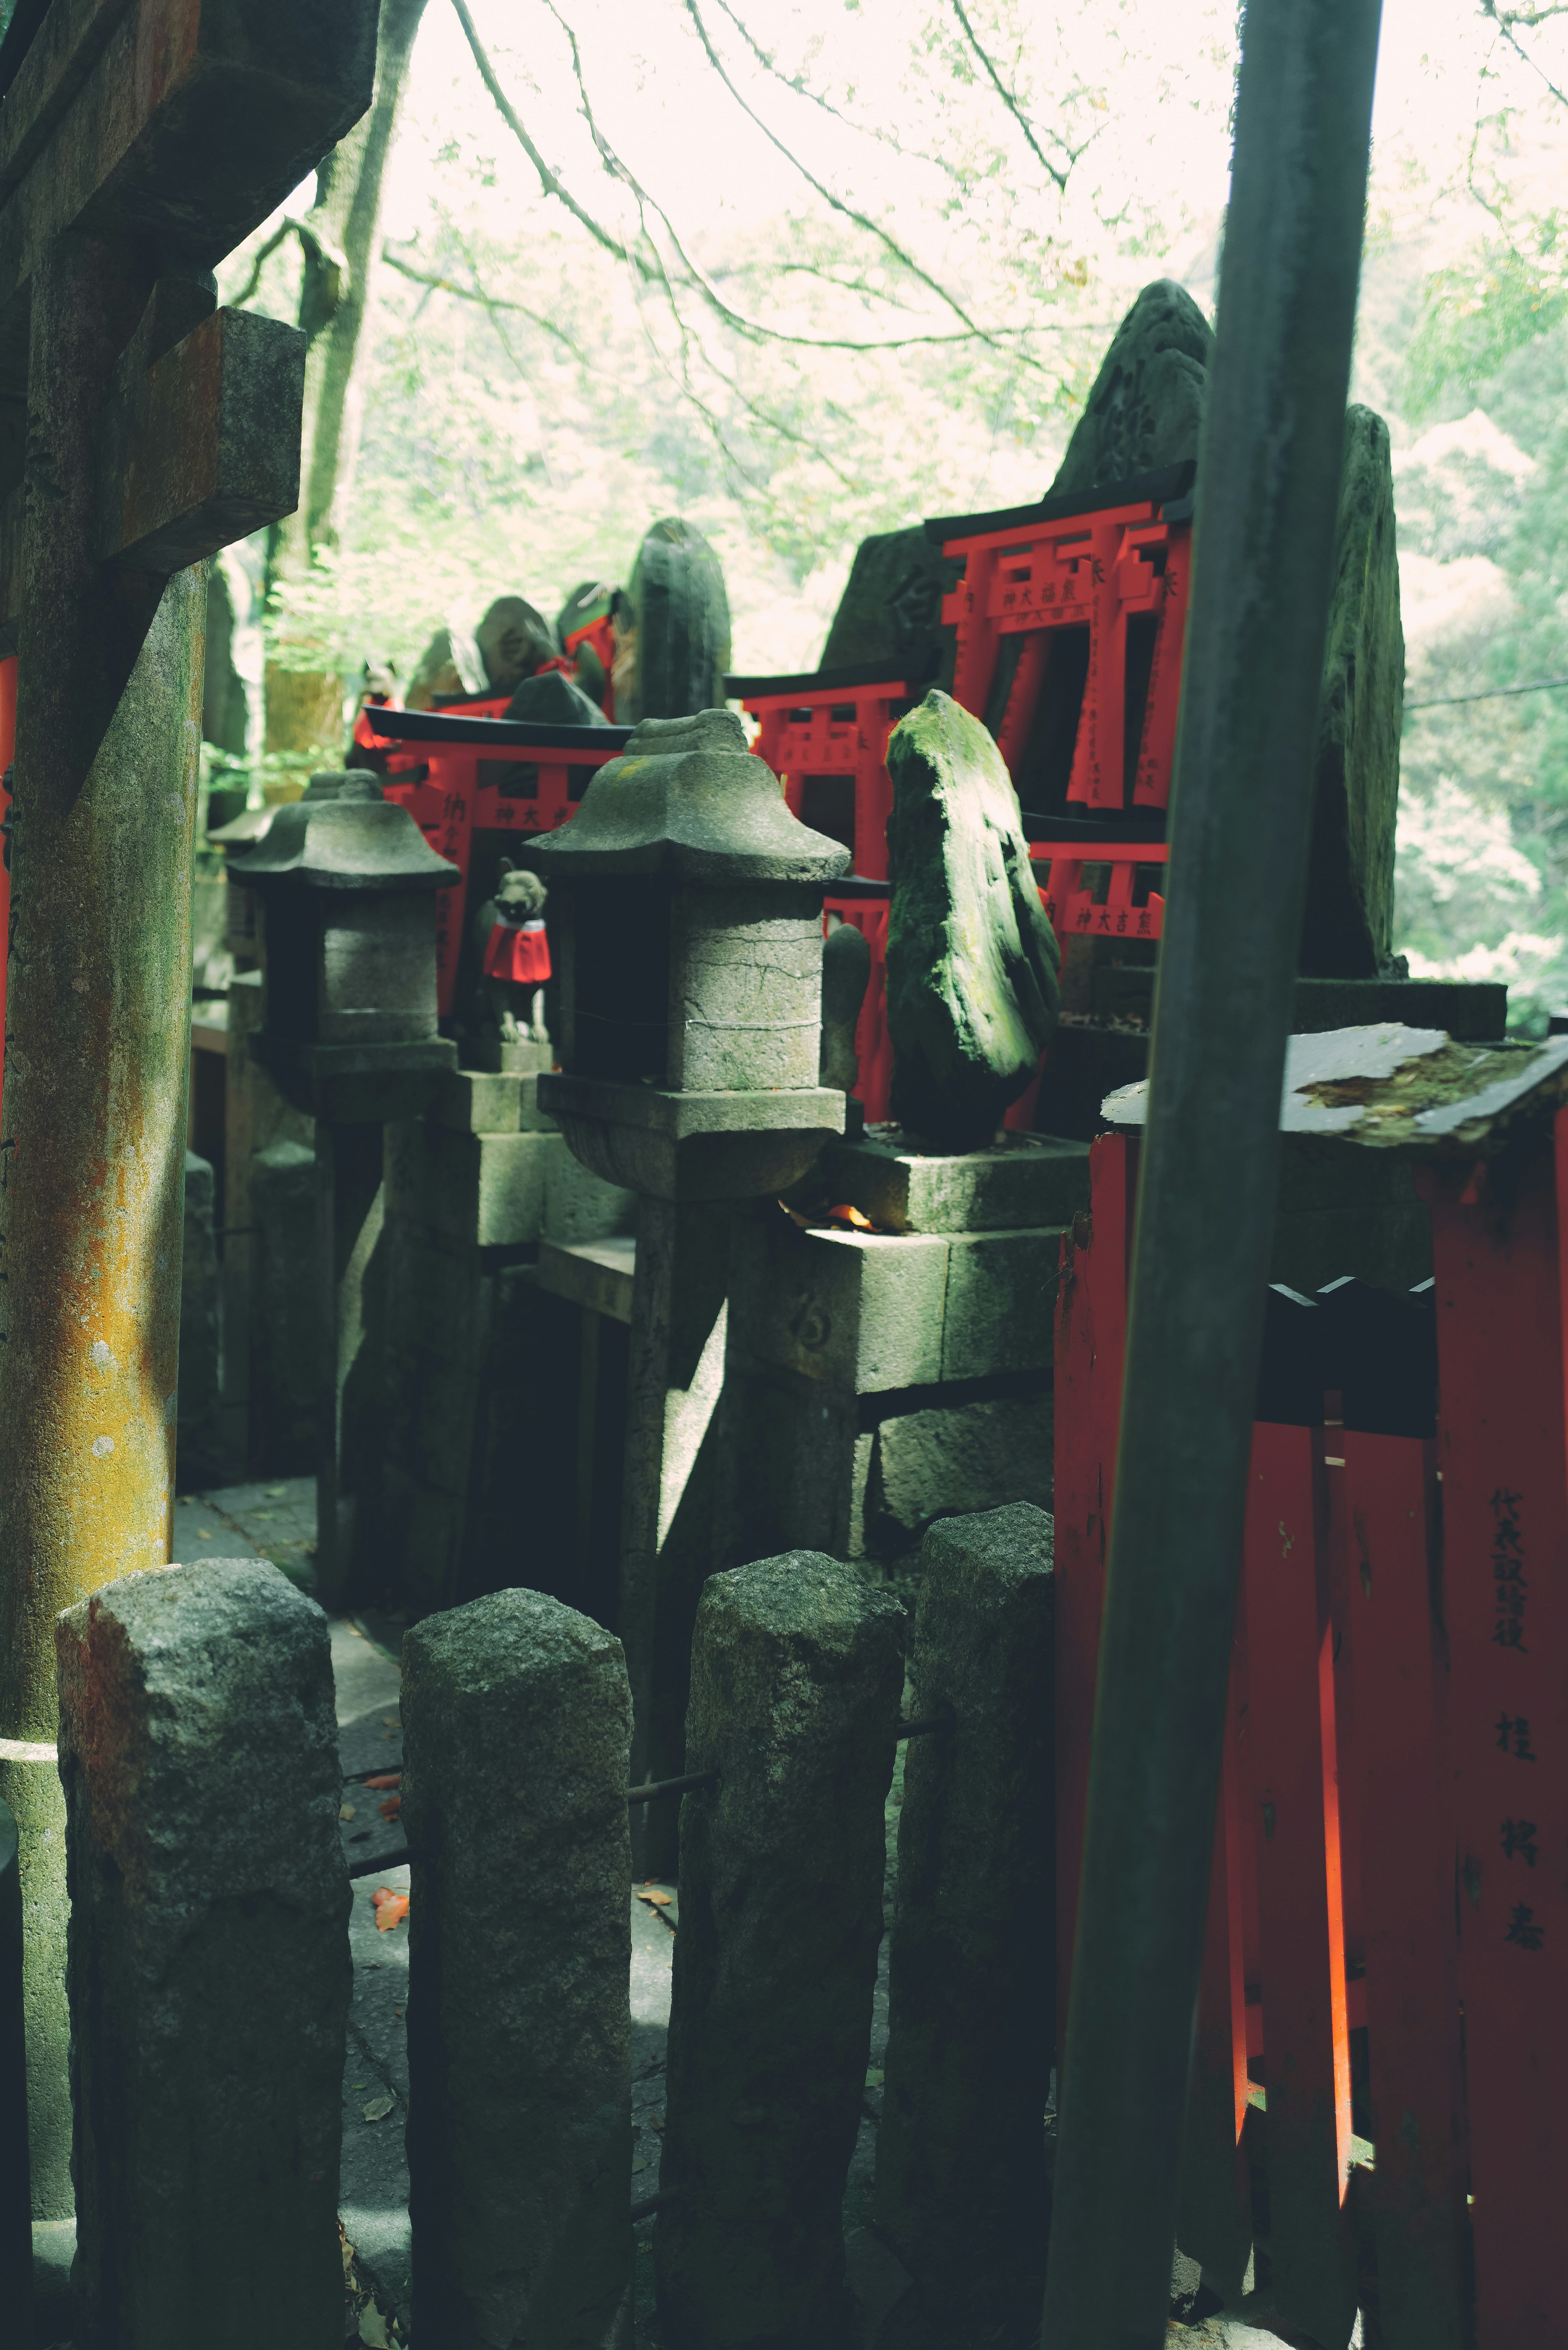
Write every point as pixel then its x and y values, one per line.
pixel 796 1670
pixel 519 2020
pixel 1030 1178
pixel 582 1206
pixel 860 1311
pixel 943 1457
pixel 492 1101
pixel 596 1275
pixel 999 1312
pixel 468 1190
pixel 209 1959
pixel 960 2188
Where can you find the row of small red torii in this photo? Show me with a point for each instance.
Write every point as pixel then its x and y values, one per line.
pixel 1392 1848
pixel 1089 565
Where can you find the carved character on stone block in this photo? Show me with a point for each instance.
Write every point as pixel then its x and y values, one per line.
pixel 513 957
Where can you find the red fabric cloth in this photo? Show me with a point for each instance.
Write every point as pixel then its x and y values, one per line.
pixel 523 955
pixel 600 635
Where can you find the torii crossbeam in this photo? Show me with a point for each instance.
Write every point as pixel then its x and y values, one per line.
pixel 141 429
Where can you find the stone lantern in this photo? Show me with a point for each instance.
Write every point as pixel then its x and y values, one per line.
pixel 346 883
pixel 687 909
pixel 686 906
pixel 345 880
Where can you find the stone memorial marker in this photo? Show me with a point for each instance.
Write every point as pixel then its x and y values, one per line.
pixel 1145 412
pixel 973 961
pixel 209 1960
pixel 797 1669
pixel 140 429
pixel 961 2156
pixel 519 2009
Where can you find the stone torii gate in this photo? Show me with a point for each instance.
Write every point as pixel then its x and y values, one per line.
pixel 142 428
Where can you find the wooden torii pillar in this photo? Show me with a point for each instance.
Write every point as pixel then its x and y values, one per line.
pixel 142 428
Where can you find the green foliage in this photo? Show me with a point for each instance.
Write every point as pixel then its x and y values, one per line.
pixel 1475 316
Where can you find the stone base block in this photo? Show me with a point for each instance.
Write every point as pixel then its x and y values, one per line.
pixel 486 1101
pixel 863 1478
pixel 580 1206
pixel 524 1057
pixel 866 1311
pixel 1029 1178
pixel 476 1190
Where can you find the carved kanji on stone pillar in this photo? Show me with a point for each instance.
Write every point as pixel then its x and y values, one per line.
pixel 142 428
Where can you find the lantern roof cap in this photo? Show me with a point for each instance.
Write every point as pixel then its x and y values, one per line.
pixel 343 835
pixel 685 801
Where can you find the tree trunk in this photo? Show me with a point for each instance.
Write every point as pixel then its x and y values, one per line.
pixel 304 706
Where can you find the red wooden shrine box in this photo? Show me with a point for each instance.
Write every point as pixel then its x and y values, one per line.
pixel 1392 1846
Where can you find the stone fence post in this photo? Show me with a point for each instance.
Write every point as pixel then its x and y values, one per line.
pixel 961 2152
pixel 796 1670
pixel 208 1960
pixel 517 1739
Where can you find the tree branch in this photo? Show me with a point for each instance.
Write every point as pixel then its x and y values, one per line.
pixel 1012 103
pixel 865 130
pixel 476 293
pixel 836 203
pixel 1506 19
pixel 548 181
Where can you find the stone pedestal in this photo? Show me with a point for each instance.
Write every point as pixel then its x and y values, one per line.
pixel 877 1380
pixel 519 2019
pixel 961 2192
pixel 476 1375
pixel 795 1673
pixel 209 1960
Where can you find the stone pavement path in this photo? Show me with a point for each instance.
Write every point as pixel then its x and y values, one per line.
pixel 277 1521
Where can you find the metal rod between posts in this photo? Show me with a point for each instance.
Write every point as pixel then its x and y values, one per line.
pixel 1268 478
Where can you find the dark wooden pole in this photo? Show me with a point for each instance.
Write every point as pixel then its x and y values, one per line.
pixel 108 714
pixel 1268 487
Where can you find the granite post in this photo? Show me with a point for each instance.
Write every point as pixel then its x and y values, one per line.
pixel 960 2154
pixel 16 2195
pixel 797 1671
pixel 519 2014
pixel 208 1966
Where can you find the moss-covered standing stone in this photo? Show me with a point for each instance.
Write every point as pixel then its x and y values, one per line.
pixel 797 1669
pixel 519 2006
pixel 209 1968
pixel 1146 407
pixel 961 2176
pixel 1348 931
pixel 973 961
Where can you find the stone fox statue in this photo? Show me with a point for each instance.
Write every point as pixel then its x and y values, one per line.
pixel 513 956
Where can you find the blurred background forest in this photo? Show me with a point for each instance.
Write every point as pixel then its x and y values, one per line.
pixel 798 270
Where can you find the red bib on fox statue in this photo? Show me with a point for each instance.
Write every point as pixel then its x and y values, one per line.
pixel 520 953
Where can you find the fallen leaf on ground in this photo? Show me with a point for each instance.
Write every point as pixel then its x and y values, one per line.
pixel 273 1492
pixel 874 2077
pixel 846 1213
pixel 391 1807
pixel 638 2164
pixel 379 2109
pixel 390 1721
pixel 651 1893
pixel 373 2328
pixel 384 1779
pixel 204 1534
pixel 345 1810
pixel 390 1907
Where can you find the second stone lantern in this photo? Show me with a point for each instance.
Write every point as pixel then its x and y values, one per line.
pixel 346 883
pixel 686 905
